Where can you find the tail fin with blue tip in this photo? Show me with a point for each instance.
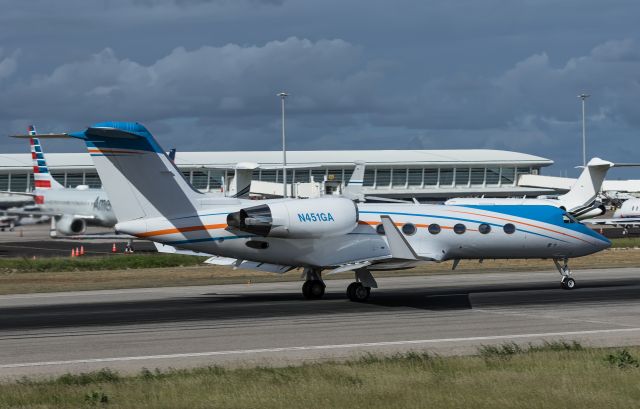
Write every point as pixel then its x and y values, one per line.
pixel 138 176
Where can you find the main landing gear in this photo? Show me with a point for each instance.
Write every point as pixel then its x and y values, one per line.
pixel 360 289
pixel 567 282
pixel 313 287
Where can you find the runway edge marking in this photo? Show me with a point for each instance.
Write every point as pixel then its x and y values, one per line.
pixel 313 348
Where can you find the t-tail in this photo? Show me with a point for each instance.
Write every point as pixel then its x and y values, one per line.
pixel 580 199
pixel 41 175
pixel 353 189
pixel 138 176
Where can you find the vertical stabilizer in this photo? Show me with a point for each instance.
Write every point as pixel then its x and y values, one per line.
pixel 41 176
pixel 588 185
pixel 353 189
pixel 138 176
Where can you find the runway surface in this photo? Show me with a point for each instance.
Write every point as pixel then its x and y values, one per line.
pixel 34 240
pixel 127 330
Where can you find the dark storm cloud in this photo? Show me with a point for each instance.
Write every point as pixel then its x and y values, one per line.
pixel 437 74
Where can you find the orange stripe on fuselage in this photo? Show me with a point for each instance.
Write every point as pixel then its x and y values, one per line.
pixel 519 222
pixel 181 230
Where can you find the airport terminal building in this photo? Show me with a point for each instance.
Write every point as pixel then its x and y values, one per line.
pixel 430 174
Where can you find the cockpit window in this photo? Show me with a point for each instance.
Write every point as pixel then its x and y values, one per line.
pixel 568 218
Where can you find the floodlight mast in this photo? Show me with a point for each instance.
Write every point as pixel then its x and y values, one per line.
pixel 282 96
pixel 583 97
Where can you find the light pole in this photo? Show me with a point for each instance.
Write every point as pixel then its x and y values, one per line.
pixel 583 97
pixel 282 96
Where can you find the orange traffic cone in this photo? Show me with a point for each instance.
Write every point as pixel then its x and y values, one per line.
pixel 82 250
pixel 73 252
pixel 113 248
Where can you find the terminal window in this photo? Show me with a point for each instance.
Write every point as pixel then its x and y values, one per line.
pixel 493 176
pixel 268 175
pixel 199 179
pixel 415 177
pixel 369 177
pixel 507 177
pixel 477 176
pixel 399 177
pixel 383 177
pixel 19 182
pixel 318 174
pixel 4 182
pixel 430 177
pixel 446 176
pixel 462 176
pixel 92 180
pixel 301 175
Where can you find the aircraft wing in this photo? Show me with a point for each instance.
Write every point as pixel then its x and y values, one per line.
pixel 96 236
pixel 227 261
pixel 32 212
pixel 8 192
pixel 626 221
pixel 165 248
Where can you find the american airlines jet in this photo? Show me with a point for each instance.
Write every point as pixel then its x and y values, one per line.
pixel 152 200
pixel 70 209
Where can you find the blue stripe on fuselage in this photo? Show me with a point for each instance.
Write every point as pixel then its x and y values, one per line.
pixel 546 214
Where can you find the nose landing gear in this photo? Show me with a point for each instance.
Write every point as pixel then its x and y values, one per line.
pixel 567 282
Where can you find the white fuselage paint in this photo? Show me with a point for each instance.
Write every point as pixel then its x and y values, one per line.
pixel 91 203
pixel 629 209
pixel 208 232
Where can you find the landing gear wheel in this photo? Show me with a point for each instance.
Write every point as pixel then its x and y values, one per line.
pixel 313 289
pixel 568 283
pixel 358 292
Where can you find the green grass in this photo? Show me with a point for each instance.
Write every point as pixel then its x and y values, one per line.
pixel 555 375
pixel 121 261
pixel 627 242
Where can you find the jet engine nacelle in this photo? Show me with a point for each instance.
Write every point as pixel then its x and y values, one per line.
pixel 322 217
pixel 69 225
pixel 594 212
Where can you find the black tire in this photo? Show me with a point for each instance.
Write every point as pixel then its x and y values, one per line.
pixel 358 292
pixel 313 289
pixel 568 283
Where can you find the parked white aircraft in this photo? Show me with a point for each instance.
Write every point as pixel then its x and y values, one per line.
pixel 580 201
pixel 627 215
pixel 70 209
pixel 152 200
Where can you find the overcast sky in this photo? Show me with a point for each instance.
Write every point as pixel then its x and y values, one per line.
pixel 403 74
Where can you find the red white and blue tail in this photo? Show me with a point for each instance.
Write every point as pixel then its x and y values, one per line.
pixel 41 175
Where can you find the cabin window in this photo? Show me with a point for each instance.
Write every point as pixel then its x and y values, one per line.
pixel 409 229
pixel 459 228
pixel 380 229
pixel 509 228
pixel 484 228
pixel 434 228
